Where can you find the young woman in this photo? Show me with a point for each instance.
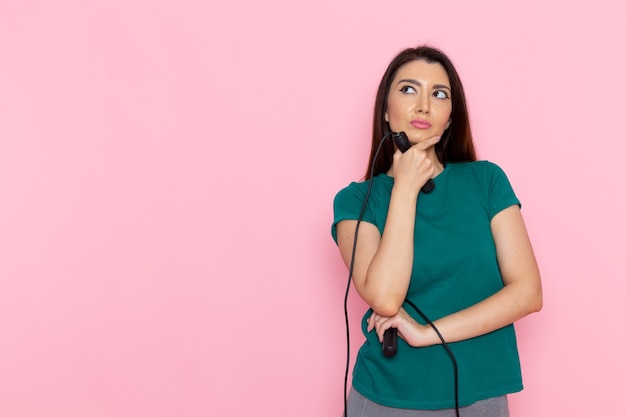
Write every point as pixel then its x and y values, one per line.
pixel 460 254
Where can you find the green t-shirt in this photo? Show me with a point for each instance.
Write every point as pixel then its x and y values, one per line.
pixel 454 267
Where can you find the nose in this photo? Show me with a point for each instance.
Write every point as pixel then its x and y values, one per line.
pixel 423 104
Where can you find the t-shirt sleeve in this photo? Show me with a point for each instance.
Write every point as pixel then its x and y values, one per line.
pixel 347 206
pixel 500 192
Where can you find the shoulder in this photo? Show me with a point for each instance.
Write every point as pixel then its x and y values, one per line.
pixel 483 172
pixel 491 182
pixel 478 167
pixel 352 188
pixel 349 201
pixel 358 190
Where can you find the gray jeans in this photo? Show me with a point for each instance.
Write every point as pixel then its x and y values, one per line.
pixel 359 406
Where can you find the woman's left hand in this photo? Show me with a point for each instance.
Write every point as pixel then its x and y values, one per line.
pixel 408 329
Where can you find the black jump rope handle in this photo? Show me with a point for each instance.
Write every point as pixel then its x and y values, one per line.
pixel 390 342
pixel 390 338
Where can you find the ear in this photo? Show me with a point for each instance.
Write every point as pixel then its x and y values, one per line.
pixel 387 118
pixel 448 124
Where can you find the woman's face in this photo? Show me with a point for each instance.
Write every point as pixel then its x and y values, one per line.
pixel 419 101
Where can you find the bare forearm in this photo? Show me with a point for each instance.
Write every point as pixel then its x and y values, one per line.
pixel 389 274
pixel 508 305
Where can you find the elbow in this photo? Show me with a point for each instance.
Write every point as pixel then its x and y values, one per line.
pixel 386 308
pixel 384 300
pixel 537 304
pixel 534 302
pixel 526 301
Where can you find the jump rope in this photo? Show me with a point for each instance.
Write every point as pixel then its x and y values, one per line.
pixel 390 336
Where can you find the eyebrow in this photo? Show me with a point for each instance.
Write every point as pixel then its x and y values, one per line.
pixel 417 83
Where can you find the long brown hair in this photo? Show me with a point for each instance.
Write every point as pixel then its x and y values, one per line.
pixel 456 144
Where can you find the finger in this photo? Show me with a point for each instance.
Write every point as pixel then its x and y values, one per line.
pixel 428 143
pixel 371 322
pixel 381 326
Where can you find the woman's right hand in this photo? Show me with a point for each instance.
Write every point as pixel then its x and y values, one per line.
pixel 413 168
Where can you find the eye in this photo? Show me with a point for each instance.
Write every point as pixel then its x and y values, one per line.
pixel 407 89
pixel 441 94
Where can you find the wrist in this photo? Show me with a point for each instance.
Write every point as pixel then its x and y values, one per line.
pixel 426 336
pixel 404 193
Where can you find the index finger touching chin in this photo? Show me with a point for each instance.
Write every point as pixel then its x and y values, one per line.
pixel 428 143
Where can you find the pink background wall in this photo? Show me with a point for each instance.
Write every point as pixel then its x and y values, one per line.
pixel 167 172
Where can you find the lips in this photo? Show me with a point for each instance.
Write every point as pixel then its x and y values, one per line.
pixel 420 124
